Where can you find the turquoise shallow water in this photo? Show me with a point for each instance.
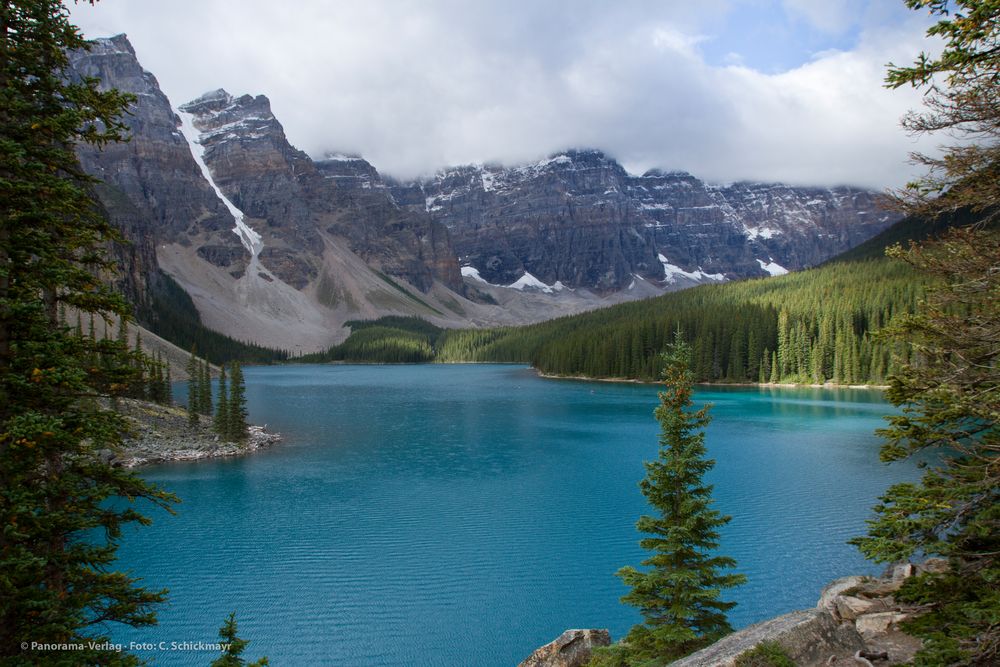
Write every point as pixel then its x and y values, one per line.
pixel 463 515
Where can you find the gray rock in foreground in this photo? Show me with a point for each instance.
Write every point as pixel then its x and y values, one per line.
pixel 572 648
pixel 809 637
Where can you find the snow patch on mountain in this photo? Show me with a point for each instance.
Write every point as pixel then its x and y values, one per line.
pixel 772 267
pixel 251 240
pixel 763 232
pixel 671 272
pixel 528 281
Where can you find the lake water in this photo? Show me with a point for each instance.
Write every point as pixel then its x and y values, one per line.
pixel 464 515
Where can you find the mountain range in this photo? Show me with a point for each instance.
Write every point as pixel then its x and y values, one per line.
pixel 280 249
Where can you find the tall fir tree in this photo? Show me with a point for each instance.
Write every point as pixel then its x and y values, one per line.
pixel 236 425
pixel 168 385
pixel 60 526
pixel 679 595
pixel 221 423
pixel 205 389
pixel 947 380
pixel 194 388
pixel 950 401
pixel 232 654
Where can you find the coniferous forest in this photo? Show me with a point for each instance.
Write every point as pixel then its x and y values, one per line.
pixel 814 326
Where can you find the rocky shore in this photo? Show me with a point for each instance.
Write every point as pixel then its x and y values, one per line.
pixel 161 433
pixel 856 622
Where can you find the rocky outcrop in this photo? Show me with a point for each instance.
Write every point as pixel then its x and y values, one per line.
pixel 808 637
pixel 856 621
pixel 162 433
pixel 572 648
pixel 297 200
pixel 580 219
pixel 854 618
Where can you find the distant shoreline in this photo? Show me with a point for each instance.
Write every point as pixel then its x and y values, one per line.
pixel 584 378
pixel 787 385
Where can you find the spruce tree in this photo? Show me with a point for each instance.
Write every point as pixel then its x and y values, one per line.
pixel 950 400
pixel 168 385
pixel 205 389
pixel 61 520
pixel 679 593
pixel 221 423
pixel 236 425
pixel 233 647
pixel 194 388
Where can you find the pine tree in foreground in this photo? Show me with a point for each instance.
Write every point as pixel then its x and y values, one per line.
pixel 234 647
pixel 950 401
pixel 63 509
pixel 679 593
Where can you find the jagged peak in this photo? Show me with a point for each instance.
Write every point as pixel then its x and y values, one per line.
pixel 111 45
pixel 212 97
pixel 656 172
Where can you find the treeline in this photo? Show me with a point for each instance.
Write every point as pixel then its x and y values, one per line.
pixel 171 314
pixel 389 340
pixel 229 411
pixel 116 368
pixel 813 326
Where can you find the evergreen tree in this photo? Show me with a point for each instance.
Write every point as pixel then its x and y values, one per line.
pixel 679 593
pixel 948 379
pixel 960 97
pixel 60 526
pixel 205 389
pixel 234 647
pixel 221 423
pixel 950 400
pixel 168 386
pixel 236 425
pixel 194 388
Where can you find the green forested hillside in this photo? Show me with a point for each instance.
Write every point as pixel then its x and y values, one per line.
pixel 813 326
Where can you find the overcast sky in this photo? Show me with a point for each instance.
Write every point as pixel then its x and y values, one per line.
pixel 771 90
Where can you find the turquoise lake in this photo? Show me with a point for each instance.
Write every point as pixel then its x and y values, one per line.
pixel 462 515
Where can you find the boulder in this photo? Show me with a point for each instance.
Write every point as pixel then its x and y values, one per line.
pixel 835 588
pixel 850 607
pixel 572 648
pixel 809 637
pixel 873 625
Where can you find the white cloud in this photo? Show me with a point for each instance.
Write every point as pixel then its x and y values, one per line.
pixel 416 86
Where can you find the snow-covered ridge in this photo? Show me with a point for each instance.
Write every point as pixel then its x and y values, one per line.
pixel 251 240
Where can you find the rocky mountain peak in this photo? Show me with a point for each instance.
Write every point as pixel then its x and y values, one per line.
pixel 579 218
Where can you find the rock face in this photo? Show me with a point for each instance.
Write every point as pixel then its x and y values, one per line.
pixel 297 200
pixel 572 648
pixel 152 188
pixel 809 637
pixel 278 248
pixel 855 617
pixel 580 219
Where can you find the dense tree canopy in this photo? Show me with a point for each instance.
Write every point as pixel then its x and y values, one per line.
pixel 949 390
pixel 59 532
pixel 960 95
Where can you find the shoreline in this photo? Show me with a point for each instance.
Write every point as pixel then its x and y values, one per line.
pixel 161 434
pixel 786 385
